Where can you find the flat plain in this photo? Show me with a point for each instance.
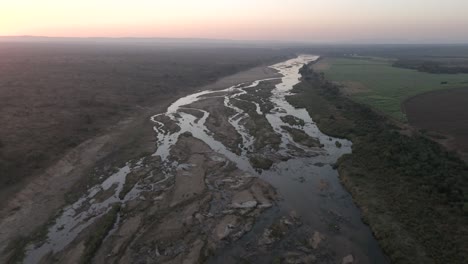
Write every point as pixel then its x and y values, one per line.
pixel 374 82
pixel 444 112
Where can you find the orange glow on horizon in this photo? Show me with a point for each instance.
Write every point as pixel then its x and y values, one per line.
pixel 262 19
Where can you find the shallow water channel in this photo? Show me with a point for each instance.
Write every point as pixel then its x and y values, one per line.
pixel 307 184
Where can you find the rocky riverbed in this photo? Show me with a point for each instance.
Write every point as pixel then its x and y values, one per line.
pixel 239 176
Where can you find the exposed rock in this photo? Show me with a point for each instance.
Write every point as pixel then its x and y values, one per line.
pixel 315 240
pixel 293 214
pixel 299 258
pixel 286 222
pixel 225 226
pixel 74 255
pixel 324 185
pixel 189 182
pixel 243 228
pixel 267 238
pixel 194 256
pixel 199 217
pixel 243 199
pixel 294 218
pixel 276 231
pixel 262 194
pixel 126 229
pixel 349 259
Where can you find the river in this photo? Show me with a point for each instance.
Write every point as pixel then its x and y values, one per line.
pixel 303 176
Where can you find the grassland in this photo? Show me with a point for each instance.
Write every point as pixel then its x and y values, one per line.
pixel 411 191
pixel 374 82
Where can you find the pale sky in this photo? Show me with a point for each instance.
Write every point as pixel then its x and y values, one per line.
pixel 296 20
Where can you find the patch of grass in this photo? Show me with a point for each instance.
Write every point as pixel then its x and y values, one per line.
pixel 387 87
pixel 413 193
pixel 103 226
pixel 338 144
pixel 301 137
pixel 292 120
pixel 260 162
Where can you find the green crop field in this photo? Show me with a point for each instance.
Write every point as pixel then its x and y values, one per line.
pixel 373 81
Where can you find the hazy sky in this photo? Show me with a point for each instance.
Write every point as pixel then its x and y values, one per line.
pixel 309 20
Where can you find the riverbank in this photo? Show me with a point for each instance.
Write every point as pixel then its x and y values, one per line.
pixel 410 190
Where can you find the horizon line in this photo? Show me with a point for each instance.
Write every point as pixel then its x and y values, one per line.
pixel 238 41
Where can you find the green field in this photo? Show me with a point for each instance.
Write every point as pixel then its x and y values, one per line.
pixel 382 86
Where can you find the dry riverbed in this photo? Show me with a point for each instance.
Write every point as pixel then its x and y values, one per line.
pixel 181 215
